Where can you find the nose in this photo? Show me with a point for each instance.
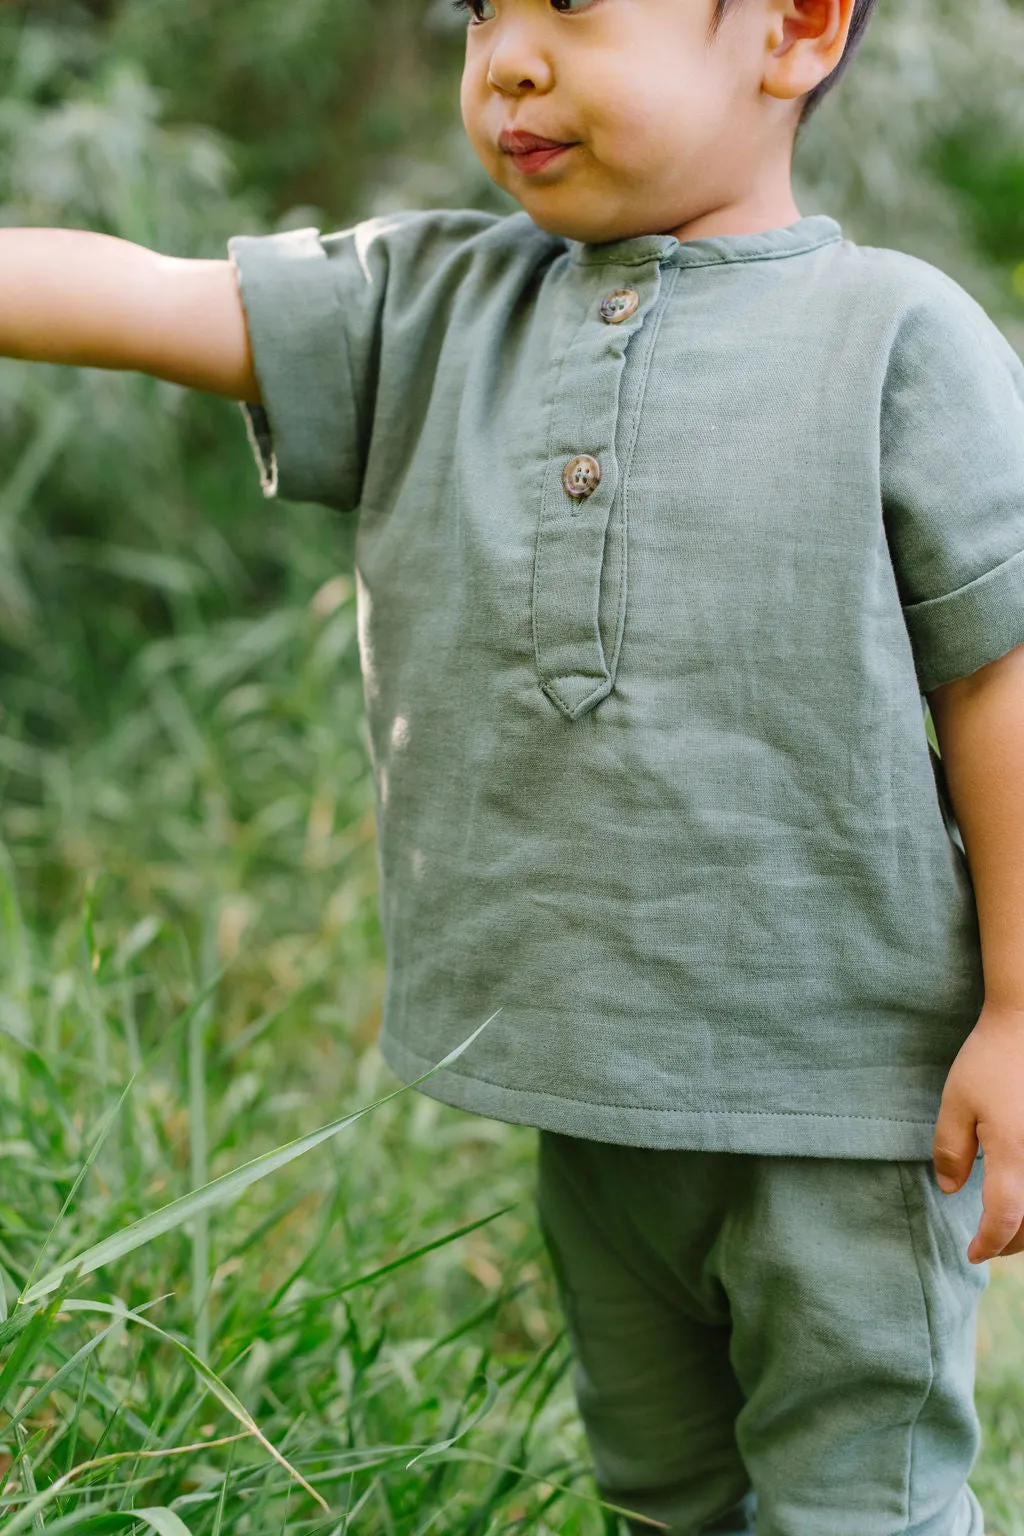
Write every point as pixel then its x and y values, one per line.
pixel 517 61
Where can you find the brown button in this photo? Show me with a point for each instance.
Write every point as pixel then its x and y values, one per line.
pixel 619 305
pixel 581 475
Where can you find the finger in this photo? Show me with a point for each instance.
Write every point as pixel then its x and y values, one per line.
pixel 1015 1245
pixel 955 1145
pixel 1002 1198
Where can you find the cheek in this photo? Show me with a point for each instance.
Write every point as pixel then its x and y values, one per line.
pixel 630 91
pixel 471 100
pixel 637 126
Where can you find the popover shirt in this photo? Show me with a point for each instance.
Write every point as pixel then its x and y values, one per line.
pixel 660 545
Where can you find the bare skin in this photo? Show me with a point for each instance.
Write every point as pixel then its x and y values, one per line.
pixel 97 302
pixel 672 133
pixel 979 721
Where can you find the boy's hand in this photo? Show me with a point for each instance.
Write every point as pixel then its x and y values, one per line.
pixel 983 1101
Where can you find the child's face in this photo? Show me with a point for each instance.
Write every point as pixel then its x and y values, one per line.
pixel 664 126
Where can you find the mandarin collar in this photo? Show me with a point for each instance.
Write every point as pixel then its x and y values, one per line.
pixel 805 234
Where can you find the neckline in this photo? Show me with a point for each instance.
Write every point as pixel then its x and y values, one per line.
pixel 806 234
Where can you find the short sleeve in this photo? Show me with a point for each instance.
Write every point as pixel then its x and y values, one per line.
pixel 325 314
pixel 952 474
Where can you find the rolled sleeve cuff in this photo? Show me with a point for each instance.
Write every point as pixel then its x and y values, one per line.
pixel 954 635
pixel 304 434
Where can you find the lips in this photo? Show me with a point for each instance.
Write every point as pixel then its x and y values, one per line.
pixel 519 143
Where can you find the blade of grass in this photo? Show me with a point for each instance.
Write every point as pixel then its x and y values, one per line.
pixel 23 1464
pixel 164 1521
pixel 384 1269
pixel 77 1418
pixel 116 1520
pixel 93 1154
pixel 86 1521
pixel 12 926
pixel 39 1397
pixel 538 1365
pixel 357 1508
pixel 488 1311
pixel 219 1190
pixel 198 1159
pixel 219 1389
pixel 29 1346
pixel 232 1048
pixel 458 1454
pixel 493 1391
pixel 97 1390
pixel 218 1518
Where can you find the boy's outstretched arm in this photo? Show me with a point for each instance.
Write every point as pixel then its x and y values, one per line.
pixel 69 296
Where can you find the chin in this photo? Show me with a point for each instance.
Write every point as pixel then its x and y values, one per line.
pixel 551 224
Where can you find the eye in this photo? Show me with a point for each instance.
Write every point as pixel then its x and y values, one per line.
pixel 472 6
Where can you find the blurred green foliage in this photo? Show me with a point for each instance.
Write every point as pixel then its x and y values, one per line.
pixel 987 173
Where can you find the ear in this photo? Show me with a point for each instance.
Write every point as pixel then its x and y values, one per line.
pixel 806 40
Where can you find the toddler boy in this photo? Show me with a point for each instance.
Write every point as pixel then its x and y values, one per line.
pixel 674 505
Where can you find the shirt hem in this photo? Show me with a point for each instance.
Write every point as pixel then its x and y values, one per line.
pixel 781 1133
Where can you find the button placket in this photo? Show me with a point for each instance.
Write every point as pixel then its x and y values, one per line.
pixel 581 483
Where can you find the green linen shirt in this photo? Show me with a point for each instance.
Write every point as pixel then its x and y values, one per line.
pixel 651 765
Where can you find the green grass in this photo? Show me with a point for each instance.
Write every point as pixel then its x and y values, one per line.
pixel 353 1354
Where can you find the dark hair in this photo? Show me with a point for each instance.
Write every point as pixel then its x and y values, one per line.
pixel 863 11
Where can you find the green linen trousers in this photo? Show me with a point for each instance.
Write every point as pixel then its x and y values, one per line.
pixel 804 1327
